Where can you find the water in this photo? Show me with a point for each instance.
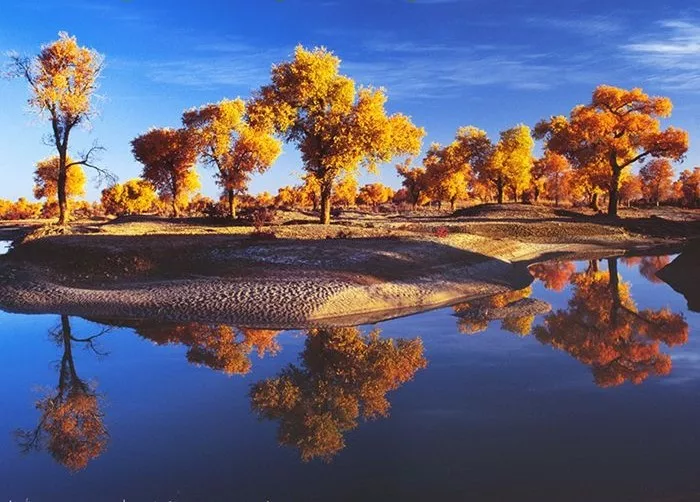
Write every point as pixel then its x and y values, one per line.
pixel 502 404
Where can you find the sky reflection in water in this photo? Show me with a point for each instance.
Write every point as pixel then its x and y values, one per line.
pixel 525 396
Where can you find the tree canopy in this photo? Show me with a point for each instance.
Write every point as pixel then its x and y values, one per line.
pixel 336 127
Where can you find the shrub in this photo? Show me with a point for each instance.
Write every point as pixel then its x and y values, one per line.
pixel 442 232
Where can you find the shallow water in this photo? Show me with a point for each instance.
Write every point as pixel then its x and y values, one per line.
pixel 599 399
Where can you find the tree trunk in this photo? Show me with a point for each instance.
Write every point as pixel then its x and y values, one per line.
pixel 594 202
pixel 499 191
pixel 326 193
pixel 614 192
pixel 231 204
pixel 452 205
pixel 62 199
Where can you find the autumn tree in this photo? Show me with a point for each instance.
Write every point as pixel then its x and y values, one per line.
pixel 657 180
pixel 344 375
pixel 551 175
pixel 414 181
pixel 46 180
pixel 264 199
pixel 71 427
pixel 510 165
pixel 630 189
pixel 311 190
pixel 168 157
pixel 689 188
pixel 345 191
pixel 602 328
pixel 619 128
pixel 288 196
pixel 229 143
pixel 336 127
pixel 132 197
pixel 62 80
pixel 375 194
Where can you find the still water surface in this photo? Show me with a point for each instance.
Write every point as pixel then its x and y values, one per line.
pixel 583 387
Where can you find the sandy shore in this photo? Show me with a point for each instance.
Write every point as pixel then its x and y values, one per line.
pixel 307 290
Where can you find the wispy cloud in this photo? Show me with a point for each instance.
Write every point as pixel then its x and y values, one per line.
pixel 585 26
pixel 672 54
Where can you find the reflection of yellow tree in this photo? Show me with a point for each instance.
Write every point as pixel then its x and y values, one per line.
pixel 648 265
pixel 475 315
pixel 220 347
pixel 71 427
pixel 603 328
pixel 555 275
pixel 344 376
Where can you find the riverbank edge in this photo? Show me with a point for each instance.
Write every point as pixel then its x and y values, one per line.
pixel 291 301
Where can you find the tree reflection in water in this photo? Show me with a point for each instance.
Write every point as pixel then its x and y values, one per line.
pixel 648 265
pixel 71 427
pixel 603 328
pixel 343 376
pixel 219 347
pixel 511 308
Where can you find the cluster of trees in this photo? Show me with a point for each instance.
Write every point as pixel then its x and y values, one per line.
pixel 339 129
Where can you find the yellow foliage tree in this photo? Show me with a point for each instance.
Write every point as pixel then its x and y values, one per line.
pixel 375 194
pixel 619 128
pixel 132 197
pixel 345 191
pixel 336 127
pixel 510 164
pixel 229 143
pixel 62 80
pixel 46 180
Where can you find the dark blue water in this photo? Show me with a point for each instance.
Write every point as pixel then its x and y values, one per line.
pixel 522 408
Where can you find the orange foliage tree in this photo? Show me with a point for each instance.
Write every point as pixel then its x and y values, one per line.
pixel 630 189
pixel 344 375
pixel 62 80
pixel 71 427
pixel 375 194
pixel 336 127
pixel 551 174
pixel 657 180
pixel 168 157
pixel 619 127
pixel 414 182
pixel 229 143
pixel 689 187
pixel 603 329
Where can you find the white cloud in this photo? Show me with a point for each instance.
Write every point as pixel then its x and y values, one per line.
pixel 672 55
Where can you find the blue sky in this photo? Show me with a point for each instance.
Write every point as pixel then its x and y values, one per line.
pixel 446 63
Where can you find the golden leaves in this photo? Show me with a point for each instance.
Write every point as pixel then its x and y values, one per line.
pixel 46 179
